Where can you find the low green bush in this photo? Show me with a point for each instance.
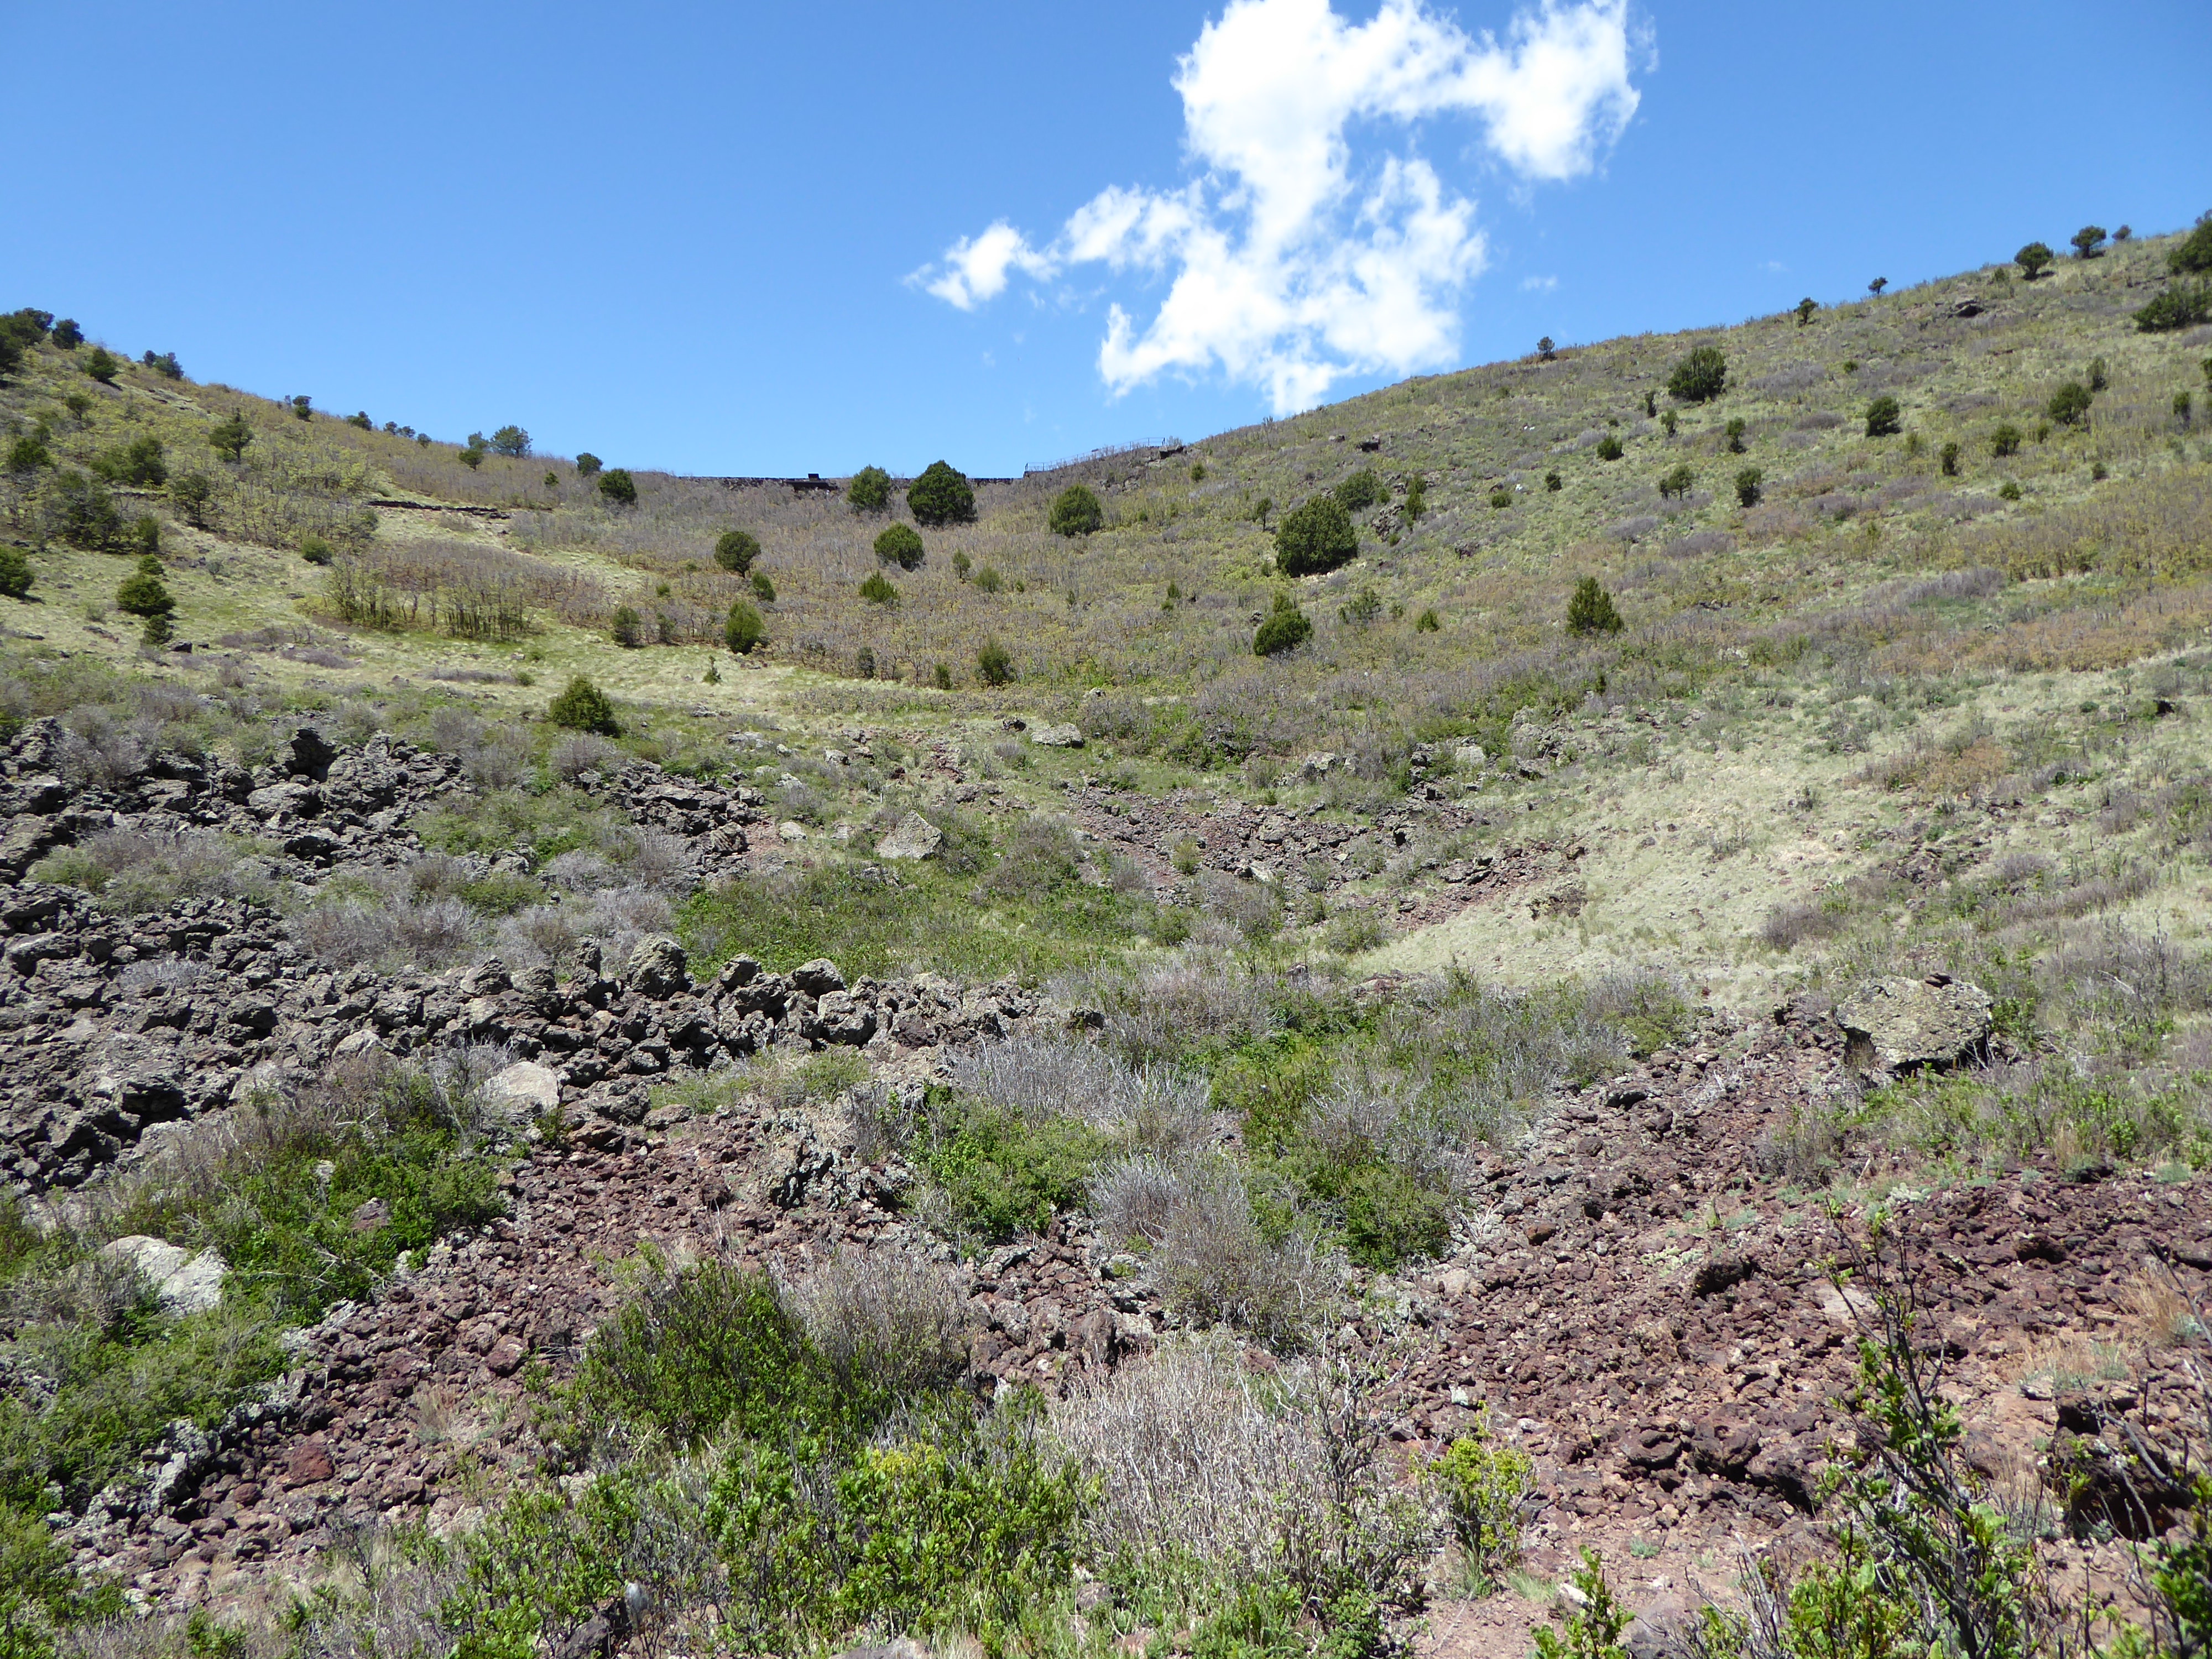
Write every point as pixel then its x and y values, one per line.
pixel 1005 1175
pixel 877 590
pixel 941 497
pixel 1484 1485
pixel 1700 377
pixel 901 546
pixel 1609 449
pixel 626 628
pixel 143 592
pixel 1315 538
pixel 616 485
pixel 15 572
pixel 582 707
pixel 743 630
pixel 870 490
pixel 1885 416
pixel 1286 628
pixel 1360 491
pixel 994 663
pixel 1076 512
pixel 1591 609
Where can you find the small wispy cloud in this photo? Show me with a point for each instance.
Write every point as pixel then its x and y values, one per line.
pixel 1538 284
pixel 1291 262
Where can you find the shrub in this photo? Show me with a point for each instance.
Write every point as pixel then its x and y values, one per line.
pixel 1668 420
pixel 315 551
pixel 1553 482
pixel 82 510
pixel 900 544
pixel 1735 431
pixel 940 675
pixel 988 580
pixel 1500 499
pixel 2034 259
pixel 1651 405
pixel 2069 404
pixel 1805 309
pixel 2184 305
pixel 2005 440
pixel 1884 417
pixel 619 487
pixel 67 335
pixel 1876 286
pixel 1361 490
pixel 1949 456
pixel 360 418
pixel 1678 482
pixel 193 492
pixel 141 593
pixel 1417 498
pixel 27 455
pixel 736 549
pixel 146 533
pixel 1749 485
pixel 1609 448
pixel 626 628
pixel 1364 608
pixel 582 707
pixel 138 463
pixel 228 438
pixel 2194 252
pixel 941 497
pixel 1076 512
pixel 1700 377
pixel 510 441
pixel 16 574
pixel 2088 241
pixel 1315 538
pixel 876 590
pixel 1284 629
pixel 303 408
pixel 763 589
pixel 1428 621
pixel 157 631
pixel 588 465
pixel 2009 490
pixel 102 366
pixel 870 490
pixel 1591 1625
pixel 744 630
pixel 1591 609
pixel 472 457
pixel 2099 376
pixel 1006 1174
pixel 2183 406
pixel 1486 1488
pixel 993 663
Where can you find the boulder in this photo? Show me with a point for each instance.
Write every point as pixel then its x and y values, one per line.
pixel 527 1085
pixel 185 1283
pixel 657 968
pixel 1058 737
pixel 818 977
pixel 1902 1025
pixel 914 837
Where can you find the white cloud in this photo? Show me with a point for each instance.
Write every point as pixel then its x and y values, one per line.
pixel 1538 284
pixel 1291 261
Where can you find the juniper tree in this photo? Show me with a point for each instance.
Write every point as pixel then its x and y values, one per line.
pixel 1700 377
pixel 941 497
pixel 870 490
pixel 2034 259
pixel 1591 611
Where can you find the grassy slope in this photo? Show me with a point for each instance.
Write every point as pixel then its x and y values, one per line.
pixel 1768 654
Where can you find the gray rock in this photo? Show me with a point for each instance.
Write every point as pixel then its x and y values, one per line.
pixel 1902 1025
pixel 1058 737
pixel 526 1084
pixel 657 968
pixel 186 1284
pixel 818 977
pixel 914 837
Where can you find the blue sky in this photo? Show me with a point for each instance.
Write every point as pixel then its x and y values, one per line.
pixel 705 238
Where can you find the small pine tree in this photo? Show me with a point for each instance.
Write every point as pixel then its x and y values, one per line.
pixel 736 549
pixel 1553 482
pixel 1700 377
pixel 27 455
pixel 1609 448
pixel 510 441
pixel 470 456
pixel 864 663
pixel 1417 498
pixel 1750 484
pixel 1360 491
pixel 1315 538
pixel 1500 499
pixel 67 335
pixel 165 364
pixel 941 497
pixel 2183 407
pixel 1669 420
pixel 2184 305
pixel 1678 482
pixel 2088 241
pixel 1428 621
pixel 763 589
pixel 1286 628
pixel 228 438
pixel 940 675
pixel 193 492
pixel 744 631
pixel 962 564
pixel 584 707
pixel 617 486
pixel 2069 404
pixel 157 631
pixel 2100 374
pixel 900 544
pixel 1076 512
pixel 360 418
pixel 870 490
pixel 1806 307
pixel 1651 405
pixel 102 366
pixel 315 551
pixel 141 593
pixel 2034 259
pixel 878 591
pixel 1735 431
pixel 1876 286
pixel 1591 611
pixel 1884 416
pixel 588 464
pixel 2005 440
pixel 1949 457
pixel 15 572
pixel 993 663
pixel 2193 254
pixel 626 628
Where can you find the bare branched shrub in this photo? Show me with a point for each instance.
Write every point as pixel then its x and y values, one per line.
pixel 428 932
pixel 135 871
pixel 896 1324
pixel 1134 1198
pixel 98 1291
pixel 1215 1265
pixel 579 752
pixel 1152 1106
pixel 1160 1012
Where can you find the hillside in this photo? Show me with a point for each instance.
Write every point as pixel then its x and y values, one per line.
pixel 1000 1018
